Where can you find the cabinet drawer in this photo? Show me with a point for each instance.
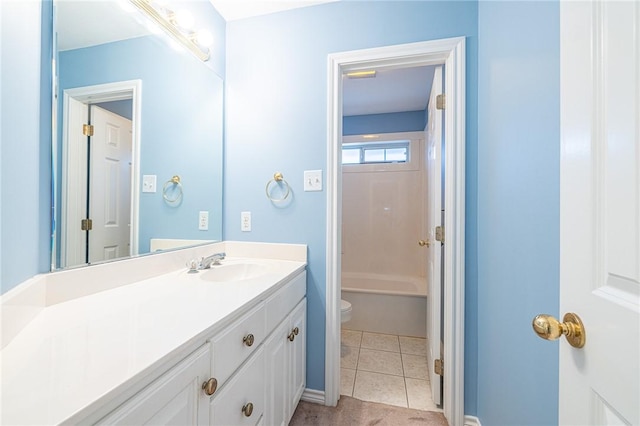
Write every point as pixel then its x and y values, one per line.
pixel 245 387
pixel 232 346
pixel 284 300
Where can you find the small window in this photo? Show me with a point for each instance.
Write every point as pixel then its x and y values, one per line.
pixel 379 152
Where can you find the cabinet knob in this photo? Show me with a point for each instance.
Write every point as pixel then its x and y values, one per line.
pixel 248 339
pixel 291 336
pixel 247 409
pixel 296 331
pixel 210 386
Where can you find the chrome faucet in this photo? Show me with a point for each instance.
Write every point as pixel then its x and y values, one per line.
pixel 214 259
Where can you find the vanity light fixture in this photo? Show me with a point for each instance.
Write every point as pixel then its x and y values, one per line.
pixel 361 74
pixel 173 23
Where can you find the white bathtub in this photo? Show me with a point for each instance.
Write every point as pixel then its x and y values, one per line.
pixel 386 304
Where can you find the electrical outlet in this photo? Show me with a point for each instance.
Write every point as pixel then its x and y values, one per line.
pixel 149 183
pixel 313 180
pixel 203 221
pixel 245 221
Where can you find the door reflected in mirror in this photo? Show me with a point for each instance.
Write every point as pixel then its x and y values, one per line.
pixel 156 111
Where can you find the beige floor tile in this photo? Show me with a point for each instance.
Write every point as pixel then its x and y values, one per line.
pixel 349 357
pixel 380 362
pixel 347 379
pixel 381 388
pixel 413 345
pixel 419 395
pixel 380 342
pixel 350 337
pixel 415 366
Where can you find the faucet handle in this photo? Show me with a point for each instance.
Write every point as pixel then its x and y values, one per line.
pixel 193 266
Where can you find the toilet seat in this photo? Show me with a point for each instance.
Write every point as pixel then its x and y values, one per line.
pixel 345 311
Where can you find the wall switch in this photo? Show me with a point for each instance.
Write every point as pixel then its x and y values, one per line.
pixel 245 221
pixel 313 180
pixel 149 183
pixel 203 221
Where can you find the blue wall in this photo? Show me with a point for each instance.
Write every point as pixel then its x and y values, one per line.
pixel 518 210
pixel 276 120
pixel 411 121
pixel 24 159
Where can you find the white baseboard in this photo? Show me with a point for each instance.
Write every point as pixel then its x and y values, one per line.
pixel 471 421
pixel 313 396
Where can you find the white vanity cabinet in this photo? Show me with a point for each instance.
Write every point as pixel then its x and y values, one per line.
pixel 175 398
pixel 270 379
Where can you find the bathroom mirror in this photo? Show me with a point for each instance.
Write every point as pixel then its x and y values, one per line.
pixel 151 163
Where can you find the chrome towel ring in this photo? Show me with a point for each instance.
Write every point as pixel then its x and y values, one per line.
pixel 278 179
pixel 176 186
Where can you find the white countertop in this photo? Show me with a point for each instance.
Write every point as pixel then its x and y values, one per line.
pixel 75 353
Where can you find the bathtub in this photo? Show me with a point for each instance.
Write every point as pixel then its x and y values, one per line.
pixel 386 303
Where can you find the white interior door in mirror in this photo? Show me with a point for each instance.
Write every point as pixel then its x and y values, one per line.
pixel 600 211
pixel 110 186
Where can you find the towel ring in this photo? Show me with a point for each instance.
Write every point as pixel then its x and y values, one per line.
pixel 277 177
pixel 174 182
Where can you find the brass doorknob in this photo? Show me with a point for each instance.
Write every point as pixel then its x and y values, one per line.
pixel 550 328
pixel 423 243
pixel 248 339
pixel 247 409
pixel 210 386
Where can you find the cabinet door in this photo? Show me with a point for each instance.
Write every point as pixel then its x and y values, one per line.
pixel 241 400
pixel 297 357
pixel 176 398
pixel 278 372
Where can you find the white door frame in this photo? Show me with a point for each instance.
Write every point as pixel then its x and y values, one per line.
pixel 451 53
pixel 131 89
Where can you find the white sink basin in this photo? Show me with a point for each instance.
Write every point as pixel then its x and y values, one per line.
pixel 233 272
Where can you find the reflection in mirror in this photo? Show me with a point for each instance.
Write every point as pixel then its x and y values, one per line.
pixel 132 112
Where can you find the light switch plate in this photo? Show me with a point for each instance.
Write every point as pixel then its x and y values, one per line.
pixel 313 180
pixel 149 183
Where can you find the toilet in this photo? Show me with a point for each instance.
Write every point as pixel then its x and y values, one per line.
pixel 345 311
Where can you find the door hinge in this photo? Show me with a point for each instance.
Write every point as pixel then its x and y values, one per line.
pixel 440 233
pixel 441 101
pixel 86 224
pixel 438 367
pixel 87 129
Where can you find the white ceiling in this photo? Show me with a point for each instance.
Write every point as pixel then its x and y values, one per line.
pixel 397 90
pixel 232 10
pixel 82 23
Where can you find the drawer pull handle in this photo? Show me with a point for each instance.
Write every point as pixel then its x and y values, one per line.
pixel 248 409
pixel 248 339
pixel 210 386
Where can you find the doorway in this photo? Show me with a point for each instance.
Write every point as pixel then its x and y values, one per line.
pixel 99 173
pixel 450 53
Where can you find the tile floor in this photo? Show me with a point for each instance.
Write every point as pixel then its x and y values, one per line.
pixel 385 368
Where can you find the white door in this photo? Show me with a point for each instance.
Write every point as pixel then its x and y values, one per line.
pixel 74 184
pixel 434 214
pixel 110 186
pixel 600 211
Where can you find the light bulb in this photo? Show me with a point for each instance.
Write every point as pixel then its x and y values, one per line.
pixel 184 19
pixel 204 38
